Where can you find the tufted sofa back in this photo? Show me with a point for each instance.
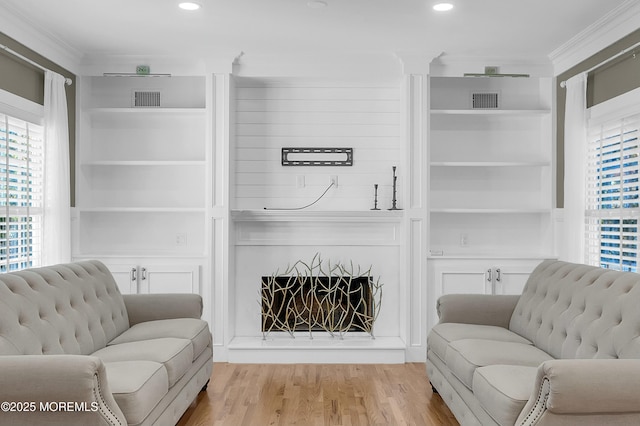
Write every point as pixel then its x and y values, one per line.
pixel 73 308
pixel 578 311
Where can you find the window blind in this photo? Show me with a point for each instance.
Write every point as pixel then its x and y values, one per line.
pixel 21 188
pixel 612 194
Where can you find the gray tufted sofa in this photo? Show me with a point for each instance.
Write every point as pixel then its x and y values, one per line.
pixel 74 351
pixel 565 352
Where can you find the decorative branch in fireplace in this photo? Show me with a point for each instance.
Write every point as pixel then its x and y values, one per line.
pixel 320 296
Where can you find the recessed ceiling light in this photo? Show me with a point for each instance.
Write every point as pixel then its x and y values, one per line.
pixel 317 4
pixel 442 7
pixel 187 5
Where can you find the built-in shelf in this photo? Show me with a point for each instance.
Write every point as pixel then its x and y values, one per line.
pixel 142 110
pixel 142 171
pixel 492 256
pixel 490 164
pixel 130 163
pixel 491 111
pixel 141 209
pixel 316 216
pixel 140 254
pixel 489 211
pixel 490 170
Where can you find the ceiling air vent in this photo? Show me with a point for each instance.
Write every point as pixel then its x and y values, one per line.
pixel 484 100
pixel 146 98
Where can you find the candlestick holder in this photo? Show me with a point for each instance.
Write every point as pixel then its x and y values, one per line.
pixel 375 197
pixel 394 201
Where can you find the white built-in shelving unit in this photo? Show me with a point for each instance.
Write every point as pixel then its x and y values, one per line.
pixel 184 198
pixel 141 178
pixel 490 169
pixel 490 183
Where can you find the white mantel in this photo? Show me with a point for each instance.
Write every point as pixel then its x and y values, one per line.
pixel 269 241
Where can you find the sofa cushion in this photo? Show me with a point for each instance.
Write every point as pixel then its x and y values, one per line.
pixel 70 309
pixel 503 390
pixel 580 311
pixel 137 386
pixel 464 356
pixel 195 330
pixel 443 334
pixel 175 354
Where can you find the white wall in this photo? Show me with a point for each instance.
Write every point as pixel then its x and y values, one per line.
pixel 291 112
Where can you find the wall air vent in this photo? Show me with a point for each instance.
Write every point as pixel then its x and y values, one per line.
pixel 484 100
pixel 146 98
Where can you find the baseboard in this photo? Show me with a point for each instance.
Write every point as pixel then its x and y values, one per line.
pixel 320 350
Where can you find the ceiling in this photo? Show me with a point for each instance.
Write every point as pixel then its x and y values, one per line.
pixel 496 28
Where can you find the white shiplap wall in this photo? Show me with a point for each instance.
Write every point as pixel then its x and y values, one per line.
pixel 274 113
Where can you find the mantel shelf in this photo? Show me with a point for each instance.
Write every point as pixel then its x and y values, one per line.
pixel 316 216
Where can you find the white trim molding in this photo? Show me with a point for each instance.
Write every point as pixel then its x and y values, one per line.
pixel 610 28
pixel 19 28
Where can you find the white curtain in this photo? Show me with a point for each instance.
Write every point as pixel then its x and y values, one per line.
pixel 575 166
pixel 56 244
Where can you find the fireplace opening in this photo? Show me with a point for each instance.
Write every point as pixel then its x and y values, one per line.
pixel 332 304
pixel 320 296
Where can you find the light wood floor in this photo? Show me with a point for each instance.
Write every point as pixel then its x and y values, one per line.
pixel 318 394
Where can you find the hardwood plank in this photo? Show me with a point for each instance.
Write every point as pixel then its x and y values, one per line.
pixel 318 394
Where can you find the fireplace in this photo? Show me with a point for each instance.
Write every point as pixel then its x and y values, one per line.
pixel 332 303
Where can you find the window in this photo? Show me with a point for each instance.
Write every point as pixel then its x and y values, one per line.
pixel 21 185
pixel 613 194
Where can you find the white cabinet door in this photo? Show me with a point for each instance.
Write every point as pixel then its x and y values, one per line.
pixel 150 278
pixel 476 276
pixel 169 279
pixel 125 275
pixel 462 277
pixel 510 278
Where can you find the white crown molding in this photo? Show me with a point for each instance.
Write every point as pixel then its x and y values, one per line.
pixel 19 28
pixel 610 28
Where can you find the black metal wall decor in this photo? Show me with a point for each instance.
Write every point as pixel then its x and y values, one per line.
pixel 317 156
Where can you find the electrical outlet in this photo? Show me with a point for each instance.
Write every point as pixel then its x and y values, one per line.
pixel 181 239
pixel 300 181
pixel 334 181
pixel 464 239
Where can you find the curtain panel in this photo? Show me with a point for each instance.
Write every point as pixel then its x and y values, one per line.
pixel 575 166
pixel 56 244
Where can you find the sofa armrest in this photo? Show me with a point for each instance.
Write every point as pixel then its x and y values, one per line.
pixel 575 387
pixel 484 309
pixel 151 307
pixel 56 389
